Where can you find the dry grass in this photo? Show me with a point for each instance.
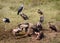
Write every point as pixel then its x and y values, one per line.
pixel 8 8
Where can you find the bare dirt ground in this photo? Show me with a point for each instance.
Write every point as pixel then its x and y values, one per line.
pixel 7 37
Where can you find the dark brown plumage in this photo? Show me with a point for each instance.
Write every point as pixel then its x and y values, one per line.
pixel 25 17
pixel 41 35
pixel 52 27
pixel 40 12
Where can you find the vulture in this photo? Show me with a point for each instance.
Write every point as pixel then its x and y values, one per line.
pixel 39 11
pixel 20 9
pixel 6 20
pixel 42 18
pixel 25 17
pixel 52 27
pixel 39 26
pixel 41 35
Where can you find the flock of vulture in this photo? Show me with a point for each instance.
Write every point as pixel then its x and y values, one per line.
pixel 29 28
